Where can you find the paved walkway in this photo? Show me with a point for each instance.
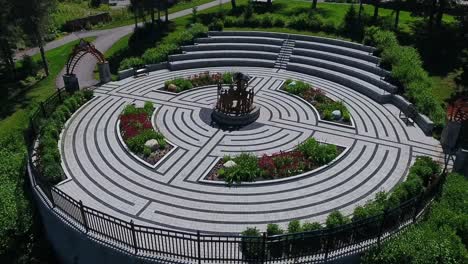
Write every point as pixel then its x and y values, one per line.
pixel 380 149
pixel 104 40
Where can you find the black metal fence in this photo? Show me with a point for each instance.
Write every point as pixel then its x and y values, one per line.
pixel 306 247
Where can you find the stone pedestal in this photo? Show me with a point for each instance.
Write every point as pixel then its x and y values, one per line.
pixel 461 162
pixel 104 72
pixel 71 83
pixel 231 120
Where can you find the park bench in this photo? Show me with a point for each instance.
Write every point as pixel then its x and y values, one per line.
pixel 140 71
pixel 408 114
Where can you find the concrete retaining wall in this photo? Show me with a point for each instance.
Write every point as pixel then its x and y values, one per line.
pixel 126 73
pixel 231 46
pixel 224 54
pixel 221 63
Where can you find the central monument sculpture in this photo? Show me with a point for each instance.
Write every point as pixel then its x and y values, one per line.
pixel 235 104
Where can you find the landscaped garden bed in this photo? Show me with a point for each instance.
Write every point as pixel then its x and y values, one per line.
pixel 138 134
pixel 328 109
pixel 202 79
pixel 246 167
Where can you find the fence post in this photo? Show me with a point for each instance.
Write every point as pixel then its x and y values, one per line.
pixel 199 246
pixel 381 227
pixel 44 114
pixel 83 216
pixel 417 205
pixel 132 225
pixel 264 247
pixel 327 245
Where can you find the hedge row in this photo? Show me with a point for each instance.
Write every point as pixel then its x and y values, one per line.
pixel 441 238
pixel 406 72
pixel 170 45
pixel 49 155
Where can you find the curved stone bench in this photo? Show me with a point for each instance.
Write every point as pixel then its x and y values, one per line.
pixel 343 59
pixel 232 46
pixel 337 42
pixel 356 84
pixel 218 62
pixel 348 70
pixel 339 50
pixel 224 54
pixel 258 40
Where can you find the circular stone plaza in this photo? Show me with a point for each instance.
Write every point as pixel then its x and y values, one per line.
pixel 174 193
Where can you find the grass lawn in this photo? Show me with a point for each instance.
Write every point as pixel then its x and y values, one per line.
pixel 20 107
pixel 123 17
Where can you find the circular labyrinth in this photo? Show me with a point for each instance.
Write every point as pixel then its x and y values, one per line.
pixel 173 193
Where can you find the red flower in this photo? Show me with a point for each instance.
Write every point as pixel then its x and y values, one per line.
pixel 133 124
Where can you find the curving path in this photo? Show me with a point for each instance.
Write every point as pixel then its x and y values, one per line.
pixel 173 194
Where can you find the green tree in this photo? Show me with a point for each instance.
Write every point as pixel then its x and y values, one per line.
pixel 8 36
pixel 314 4
pixel 35 21
pixel 233 4
pixel 376 9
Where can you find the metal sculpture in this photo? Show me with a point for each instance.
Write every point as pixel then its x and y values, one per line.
pixel 235 106
pixel 79 51
pixel 236 99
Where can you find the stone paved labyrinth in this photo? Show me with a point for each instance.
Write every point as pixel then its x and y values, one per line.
pixel 380 148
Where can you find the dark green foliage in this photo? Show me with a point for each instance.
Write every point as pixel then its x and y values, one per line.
pixel 294 227
pixel 251 243
pixel 246 169
pixel 336 219
pixel 131 109
pixel 216 25
pixel 296 87
pixel 407 72
pixel 227 77
pixel 441 238
pixel 181 84
pixel 319 154
pixel 274 229
pixel 169 46
pixel 308 226
pixel 48 140
pixel 137 144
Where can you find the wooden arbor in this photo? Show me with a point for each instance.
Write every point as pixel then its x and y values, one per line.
pixel 79 51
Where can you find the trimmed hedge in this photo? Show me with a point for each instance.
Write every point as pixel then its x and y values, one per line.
pixel 407 72
pixel 170 45
pixel 49 155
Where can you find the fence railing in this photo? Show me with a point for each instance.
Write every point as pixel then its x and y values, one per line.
pixel 306 247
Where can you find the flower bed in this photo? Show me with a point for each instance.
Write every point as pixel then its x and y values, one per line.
pixel 317 97
pixel 202 79
pixel 139 136
pixel 248 168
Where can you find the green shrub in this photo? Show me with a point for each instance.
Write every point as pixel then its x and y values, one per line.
pixel 336 219
pixel 296 87
pixel 132 62
pixel 159 54
pixel 278 22
pixel 266 20
pixel 274 229
pixel 227 77
pixel 137 143
pixel 181 84
pixel 216 25
pixel 299 22
pixel 294 227
pixel 246 169
pixel 420 244
pixel 53 173
pixel 251 243
pixel 308 226
pixel 318 154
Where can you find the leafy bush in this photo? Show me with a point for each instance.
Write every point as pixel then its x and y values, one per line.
pixel 132 62
pixel 246 169
pixel 274 229
pixel 406 72
pixel 159 54
pixel 308 226
pixel 216 25
pixel 296 87
pixel 137 143
pixel 181 84
pixel 294 227
pixel 319 154
pixel 49 155
pixel 251 243
pixel 336 219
